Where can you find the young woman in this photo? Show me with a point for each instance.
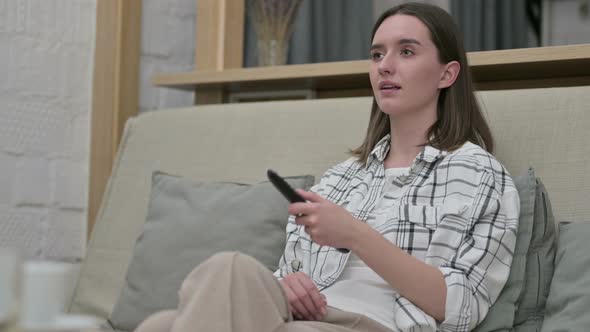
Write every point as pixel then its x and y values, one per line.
pixel 428 215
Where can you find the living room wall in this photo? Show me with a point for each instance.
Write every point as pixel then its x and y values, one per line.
pixel 45 93
pixel 167 45
pixel 45 98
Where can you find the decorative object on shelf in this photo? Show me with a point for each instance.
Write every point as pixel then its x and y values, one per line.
pixel 273 21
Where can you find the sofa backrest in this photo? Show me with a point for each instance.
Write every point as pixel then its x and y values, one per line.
pixel 548 129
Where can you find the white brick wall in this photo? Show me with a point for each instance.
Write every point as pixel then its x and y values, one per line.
pixel 45 95
pixel 31 182
pixel 46 62
pixel 7 171
pixel 167 45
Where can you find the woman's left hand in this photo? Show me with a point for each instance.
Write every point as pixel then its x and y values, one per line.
pixel 326 223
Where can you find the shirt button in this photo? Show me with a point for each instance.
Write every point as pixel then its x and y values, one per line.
pixel 296 265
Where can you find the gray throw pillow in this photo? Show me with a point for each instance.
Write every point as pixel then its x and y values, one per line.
pixel 501 314
pixel 569 296
pixel 187 222
pixel 539 266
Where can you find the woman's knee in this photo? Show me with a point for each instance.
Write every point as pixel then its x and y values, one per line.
pixel 223 257
pixel 226 263
pixel 223 263
pixel 233 260
pixel 217 261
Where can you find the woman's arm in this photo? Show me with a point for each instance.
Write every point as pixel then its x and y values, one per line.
pixel 330 224
pixel 472 276
pixel 422 284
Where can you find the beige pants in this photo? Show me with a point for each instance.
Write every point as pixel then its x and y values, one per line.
pixel 234 292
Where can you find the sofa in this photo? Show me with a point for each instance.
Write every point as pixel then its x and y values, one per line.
pixel 542 136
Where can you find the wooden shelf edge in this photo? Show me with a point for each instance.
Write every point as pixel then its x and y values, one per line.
pixel 529 55
pixel 301 71
pixel 483 64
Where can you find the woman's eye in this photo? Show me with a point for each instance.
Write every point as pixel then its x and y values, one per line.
pixel 376 56
pixel 407 52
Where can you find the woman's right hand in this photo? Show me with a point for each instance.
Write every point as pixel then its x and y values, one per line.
pixel 305 300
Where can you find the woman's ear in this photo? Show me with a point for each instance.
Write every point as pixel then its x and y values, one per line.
pixel 450 74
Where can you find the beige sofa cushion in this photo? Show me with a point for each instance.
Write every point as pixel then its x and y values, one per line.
pixel 234 143
pixel 546 128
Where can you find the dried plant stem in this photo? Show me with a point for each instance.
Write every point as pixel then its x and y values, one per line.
pixel 273 19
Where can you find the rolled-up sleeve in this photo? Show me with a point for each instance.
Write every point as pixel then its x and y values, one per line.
pixel 294 258
pixel 292 234
pixel 477 272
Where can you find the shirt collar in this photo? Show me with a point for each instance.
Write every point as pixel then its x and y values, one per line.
pixel 429 153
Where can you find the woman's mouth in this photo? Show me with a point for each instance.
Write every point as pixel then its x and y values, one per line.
pixel 389 88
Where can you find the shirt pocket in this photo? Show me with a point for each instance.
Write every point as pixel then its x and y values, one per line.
pixel 422 216
pixel 431 217
pixel 411 227
pixel 452 228
pixel 417 226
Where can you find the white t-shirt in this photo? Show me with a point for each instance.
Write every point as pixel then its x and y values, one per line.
pixel 359 289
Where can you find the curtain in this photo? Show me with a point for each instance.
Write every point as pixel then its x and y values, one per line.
pixel 492 24
pixel 326 30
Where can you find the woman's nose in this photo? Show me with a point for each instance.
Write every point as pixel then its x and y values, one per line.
pixel 386 66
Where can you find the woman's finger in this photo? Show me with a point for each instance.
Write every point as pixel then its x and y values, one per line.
pixel 299 309
pixel 315 295
pixel 310 196
pixel 302 220
pixel 303 302
pixel 299 209
pixel 291 297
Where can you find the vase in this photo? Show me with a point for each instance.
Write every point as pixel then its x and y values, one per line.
pixel 272 52
pixel 273 22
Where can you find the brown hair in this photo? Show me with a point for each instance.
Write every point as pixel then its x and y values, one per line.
pixel 459 118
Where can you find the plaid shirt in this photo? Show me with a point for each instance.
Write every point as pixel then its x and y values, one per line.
pixel 458 211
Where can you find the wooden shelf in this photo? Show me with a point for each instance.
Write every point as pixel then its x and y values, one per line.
pixel 516 68
pixel 346 74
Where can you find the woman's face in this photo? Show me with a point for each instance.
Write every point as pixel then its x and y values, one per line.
pixel 405 71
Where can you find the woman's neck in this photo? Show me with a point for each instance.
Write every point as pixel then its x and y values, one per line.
pixel 408 135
